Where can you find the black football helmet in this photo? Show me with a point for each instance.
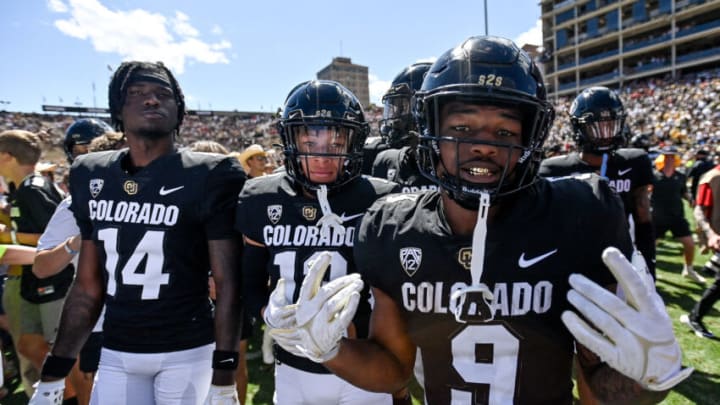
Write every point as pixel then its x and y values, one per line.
pixel 323 105
pixel 641 141
pixel 598 120
pixel 483 70
pixel 397 126
pixel 82 132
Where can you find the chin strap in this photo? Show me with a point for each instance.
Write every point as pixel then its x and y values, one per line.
pixel 476 307
pixel 329 219
pixel 603 166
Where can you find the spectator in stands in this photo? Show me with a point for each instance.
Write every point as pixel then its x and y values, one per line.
pixel 668 212
pixel 253 160
pixel 209 147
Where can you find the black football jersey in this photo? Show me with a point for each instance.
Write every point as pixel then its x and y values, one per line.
pixel 152 230
pixel 627 169
pixel 523 355
pixel 274 212
pixel 399 166
pixel 373 146
pixel 32 204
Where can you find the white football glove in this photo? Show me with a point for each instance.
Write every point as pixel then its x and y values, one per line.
pixel 634 337
pixel 222 395
pixel 280 315
pixel 323 312
pixel 48 393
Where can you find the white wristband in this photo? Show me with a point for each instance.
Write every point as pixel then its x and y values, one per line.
pixel 68 249
pixel 13 237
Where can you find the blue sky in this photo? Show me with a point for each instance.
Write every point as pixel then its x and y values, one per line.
pixel 231 54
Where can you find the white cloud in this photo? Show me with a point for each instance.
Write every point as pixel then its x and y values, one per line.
pixel 378 88
pixel 532 36
pixel 57 6
pixel 139 34
pixel 182 27
pixel 216 30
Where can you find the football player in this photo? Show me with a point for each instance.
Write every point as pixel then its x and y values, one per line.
pixel 153 220
pixel 287 218
pixel 399 163
pixel 597 116
pixel 79 135
pixel 58 247
pixel 490 275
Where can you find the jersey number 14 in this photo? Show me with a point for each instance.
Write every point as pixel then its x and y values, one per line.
pixel 150 248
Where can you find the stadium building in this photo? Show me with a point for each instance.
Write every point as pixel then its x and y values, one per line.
pixel 614 42
pixel 350 75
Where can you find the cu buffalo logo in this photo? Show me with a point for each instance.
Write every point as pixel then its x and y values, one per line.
pixel 130 187
pixel 464 257
pixel 410 259
pixel 309 212
pixel 274 212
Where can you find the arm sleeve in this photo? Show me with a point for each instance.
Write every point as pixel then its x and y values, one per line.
pixel 223 185
pixel 704 195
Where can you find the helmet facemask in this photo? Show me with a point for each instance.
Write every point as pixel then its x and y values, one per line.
pixel 602 133
pixel 536 118
pixel 597 116
pixel 397 122
pixel 338 144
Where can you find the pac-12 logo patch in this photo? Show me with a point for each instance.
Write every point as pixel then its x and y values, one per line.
pixel 130 187
pixel 96 186
pixel 274 213
pixel 309 212
pixel 464 257
pixel 410 259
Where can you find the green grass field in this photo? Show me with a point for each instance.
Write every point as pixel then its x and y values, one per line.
pixel 680 294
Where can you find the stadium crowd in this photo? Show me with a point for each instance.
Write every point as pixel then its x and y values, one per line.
pixel 683 112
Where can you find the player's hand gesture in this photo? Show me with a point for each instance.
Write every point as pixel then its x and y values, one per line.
pixel 633 336
pixel 323 313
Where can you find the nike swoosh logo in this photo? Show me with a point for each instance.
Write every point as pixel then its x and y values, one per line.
pixel 227 361
pixel 344 219
pixel 163 191
pixel 624 172
pixel 524 264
